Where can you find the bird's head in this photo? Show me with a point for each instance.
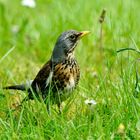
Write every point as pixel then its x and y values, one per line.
pixel 66 44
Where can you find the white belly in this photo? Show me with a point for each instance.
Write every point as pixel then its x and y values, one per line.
pixel 70 84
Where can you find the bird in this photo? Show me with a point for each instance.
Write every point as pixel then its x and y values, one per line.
pixel 56 80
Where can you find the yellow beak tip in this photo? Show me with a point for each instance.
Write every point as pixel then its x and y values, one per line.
pixel 83 33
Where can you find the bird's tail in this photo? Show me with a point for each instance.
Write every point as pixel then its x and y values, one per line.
pixel 22 87
pixel 16 87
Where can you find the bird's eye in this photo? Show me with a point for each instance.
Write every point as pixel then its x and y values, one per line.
pixel 72 37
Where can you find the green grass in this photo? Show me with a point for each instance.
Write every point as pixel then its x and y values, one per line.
pixel 108 78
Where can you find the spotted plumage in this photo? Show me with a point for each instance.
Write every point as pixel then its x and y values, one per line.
pixel 60 75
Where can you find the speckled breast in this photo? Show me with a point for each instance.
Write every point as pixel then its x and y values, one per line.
pixel 66 76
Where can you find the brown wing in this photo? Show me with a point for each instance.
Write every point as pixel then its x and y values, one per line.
pixel 40 79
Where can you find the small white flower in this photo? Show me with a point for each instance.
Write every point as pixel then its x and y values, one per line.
pixel 28 3
pixel 90 102
pixel 15 29
pixel 90 105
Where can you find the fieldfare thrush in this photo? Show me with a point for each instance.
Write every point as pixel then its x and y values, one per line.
pixel 60 75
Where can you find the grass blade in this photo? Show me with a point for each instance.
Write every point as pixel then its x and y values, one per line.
pixel 127 49
pixel 7 54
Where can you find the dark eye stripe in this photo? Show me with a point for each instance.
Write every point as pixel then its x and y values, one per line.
pixel 73 37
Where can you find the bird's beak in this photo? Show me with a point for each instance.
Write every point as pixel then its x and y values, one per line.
pixel 83 33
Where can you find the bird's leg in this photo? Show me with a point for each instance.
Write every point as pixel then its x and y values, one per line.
pixel 47 102
pixel 59 108
pixel 48 109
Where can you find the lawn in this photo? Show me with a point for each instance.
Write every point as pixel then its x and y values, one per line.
pixel 110 78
